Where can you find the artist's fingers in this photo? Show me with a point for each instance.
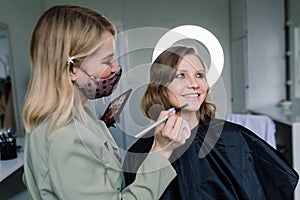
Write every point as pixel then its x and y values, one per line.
pixel 174 129
pixel 162 114
pixel 177 133
pixel 168 126
pixel 160 126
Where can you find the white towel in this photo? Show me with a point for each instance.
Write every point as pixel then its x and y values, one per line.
pixel 261 125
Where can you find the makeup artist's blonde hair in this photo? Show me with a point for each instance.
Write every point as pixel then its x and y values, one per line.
pixel 61 32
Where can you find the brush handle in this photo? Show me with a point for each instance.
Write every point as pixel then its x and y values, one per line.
pixel 173 110
pixel 152 126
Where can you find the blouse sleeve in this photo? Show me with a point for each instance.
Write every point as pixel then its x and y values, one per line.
pixel 88 170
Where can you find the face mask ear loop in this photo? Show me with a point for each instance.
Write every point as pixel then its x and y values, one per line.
pixel 85 72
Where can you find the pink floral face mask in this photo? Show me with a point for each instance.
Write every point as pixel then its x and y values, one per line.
pixel 96 88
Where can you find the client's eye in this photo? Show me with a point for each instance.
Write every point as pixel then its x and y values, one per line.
pixel 200 75
pixel 180 75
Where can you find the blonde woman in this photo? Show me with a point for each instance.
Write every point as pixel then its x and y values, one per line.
pixel 69 153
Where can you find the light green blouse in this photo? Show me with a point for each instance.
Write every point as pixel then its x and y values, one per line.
pixel 78 162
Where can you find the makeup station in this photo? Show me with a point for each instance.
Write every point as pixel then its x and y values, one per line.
pixel 11 156
pixel 9 165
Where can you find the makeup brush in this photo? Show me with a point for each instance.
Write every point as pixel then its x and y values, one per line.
pixel 173 110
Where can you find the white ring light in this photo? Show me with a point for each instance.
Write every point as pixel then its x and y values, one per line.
pixel 202 35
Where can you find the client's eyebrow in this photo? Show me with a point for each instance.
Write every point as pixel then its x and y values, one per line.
pixel 185 70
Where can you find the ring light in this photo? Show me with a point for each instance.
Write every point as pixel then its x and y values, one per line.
pixel 202 35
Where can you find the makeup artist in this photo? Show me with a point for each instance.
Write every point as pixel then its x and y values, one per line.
pixel 69 153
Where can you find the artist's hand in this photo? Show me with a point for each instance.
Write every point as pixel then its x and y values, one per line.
pixel 169 135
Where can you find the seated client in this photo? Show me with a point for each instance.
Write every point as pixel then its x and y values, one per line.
pixel 220 159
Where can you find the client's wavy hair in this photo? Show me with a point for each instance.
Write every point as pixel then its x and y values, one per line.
pixel 162 72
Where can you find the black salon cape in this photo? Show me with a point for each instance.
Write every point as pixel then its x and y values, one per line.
pixel 239 166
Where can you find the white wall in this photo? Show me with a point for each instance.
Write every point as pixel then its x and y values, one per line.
pixel 293 16
pixel 258 53
pixel 293 9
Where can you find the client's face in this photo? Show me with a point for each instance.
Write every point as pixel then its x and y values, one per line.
pixel 189 85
